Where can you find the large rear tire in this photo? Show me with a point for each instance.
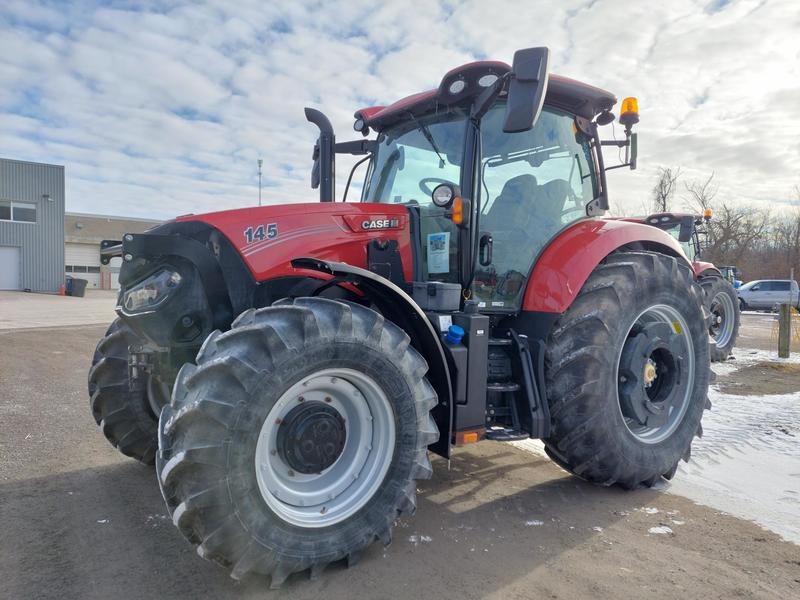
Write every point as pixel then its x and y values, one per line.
pixel 627 371
pixel 297 438
pixel 723 304
pixel 124 415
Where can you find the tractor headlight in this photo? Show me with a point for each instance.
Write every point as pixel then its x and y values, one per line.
pixel 152 291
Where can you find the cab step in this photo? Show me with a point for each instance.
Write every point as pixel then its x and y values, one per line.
pixel 505 434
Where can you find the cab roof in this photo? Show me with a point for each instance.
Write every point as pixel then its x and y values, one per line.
pixel 562 92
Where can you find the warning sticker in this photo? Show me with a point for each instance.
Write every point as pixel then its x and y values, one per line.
pixel 439 252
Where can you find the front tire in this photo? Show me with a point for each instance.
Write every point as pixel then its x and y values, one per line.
pixel 627 371
pixel 297 438
pixel 124 415
pixel 723 304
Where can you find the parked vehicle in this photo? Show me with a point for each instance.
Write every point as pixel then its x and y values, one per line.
pixel 691 231
pixel 767 294
pixel 316 352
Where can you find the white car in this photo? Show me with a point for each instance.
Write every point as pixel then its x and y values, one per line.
pixel 768 293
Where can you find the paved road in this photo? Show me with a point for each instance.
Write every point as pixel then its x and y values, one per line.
pixel 20 310
pixel 80 521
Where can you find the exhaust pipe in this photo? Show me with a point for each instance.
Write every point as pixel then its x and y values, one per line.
pixel 324 171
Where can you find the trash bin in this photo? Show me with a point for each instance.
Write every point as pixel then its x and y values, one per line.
pixel 79 287
pixel 68 286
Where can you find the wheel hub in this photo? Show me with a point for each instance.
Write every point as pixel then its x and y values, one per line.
pixel 650 377
pixel 311 437
pixel 650 372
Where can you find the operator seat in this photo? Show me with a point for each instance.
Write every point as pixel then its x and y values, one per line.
pixel 512 207
pixel 553 199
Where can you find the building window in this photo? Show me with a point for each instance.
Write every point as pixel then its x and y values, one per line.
pixel 93 269
pixel 68 268
pixel 22 212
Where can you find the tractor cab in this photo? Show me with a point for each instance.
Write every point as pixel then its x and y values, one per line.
pixel 491 166
pixel 690 230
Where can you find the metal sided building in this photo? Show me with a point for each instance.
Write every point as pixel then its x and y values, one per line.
pixel 31 226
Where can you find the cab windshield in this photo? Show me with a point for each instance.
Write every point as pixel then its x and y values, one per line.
pixel 414 156
pixel 411 159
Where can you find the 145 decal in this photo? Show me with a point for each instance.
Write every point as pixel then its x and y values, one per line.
pixel 260 233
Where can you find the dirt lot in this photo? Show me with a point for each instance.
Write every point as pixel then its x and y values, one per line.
pixel 759 330
pixel 761 379
pixel 81 521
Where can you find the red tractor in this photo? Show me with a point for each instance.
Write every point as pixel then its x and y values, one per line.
pixel 289 368
pixel 722 302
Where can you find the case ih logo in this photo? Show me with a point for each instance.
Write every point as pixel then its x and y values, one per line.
pixel 380 224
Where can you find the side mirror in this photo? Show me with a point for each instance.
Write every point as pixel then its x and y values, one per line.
pixel 526 89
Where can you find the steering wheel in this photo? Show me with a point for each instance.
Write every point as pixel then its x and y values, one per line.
pixel 424 183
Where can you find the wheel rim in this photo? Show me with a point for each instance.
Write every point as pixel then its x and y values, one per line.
pixel 337 420
pixel 655 374
pixel 721 328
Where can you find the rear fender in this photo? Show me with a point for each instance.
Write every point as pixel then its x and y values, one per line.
pixel 398 307
pixel 566 263
pixel 705 269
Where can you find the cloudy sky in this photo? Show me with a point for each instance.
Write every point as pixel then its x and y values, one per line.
pixel 162 108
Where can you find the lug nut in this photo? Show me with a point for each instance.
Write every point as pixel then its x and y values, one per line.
pixel 301 399
pixel 290 473
pixel 327 398
pixel 323 510
pixel 278 421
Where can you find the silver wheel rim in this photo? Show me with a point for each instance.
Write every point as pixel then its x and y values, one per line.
pixel 653 435
pixel 721 330
pixel 340 490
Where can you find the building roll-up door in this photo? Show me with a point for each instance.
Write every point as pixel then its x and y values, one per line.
pixel 9 267
pixel 82 261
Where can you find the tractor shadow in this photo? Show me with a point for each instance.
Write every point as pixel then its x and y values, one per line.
pixel 495 515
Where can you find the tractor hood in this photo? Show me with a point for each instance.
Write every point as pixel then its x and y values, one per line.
pixel 269 237
pixel 182 279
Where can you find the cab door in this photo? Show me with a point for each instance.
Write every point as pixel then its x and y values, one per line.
pixel 532 185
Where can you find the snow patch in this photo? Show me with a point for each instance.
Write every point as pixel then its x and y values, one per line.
pixel 420 539
pixel 660 530
pixel 534 523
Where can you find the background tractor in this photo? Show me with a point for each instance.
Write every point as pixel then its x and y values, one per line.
pixel 316 353
pixel 722 302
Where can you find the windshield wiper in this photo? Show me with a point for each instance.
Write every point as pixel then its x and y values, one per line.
pixel 427 134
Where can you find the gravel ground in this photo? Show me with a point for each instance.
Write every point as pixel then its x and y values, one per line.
pixel 81 521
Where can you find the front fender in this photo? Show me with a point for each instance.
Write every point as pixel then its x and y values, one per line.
pixel 400 308
pixel 566 263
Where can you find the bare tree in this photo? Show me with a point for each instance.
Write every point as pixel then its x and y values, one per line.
pixel 701 193
pixel 664 189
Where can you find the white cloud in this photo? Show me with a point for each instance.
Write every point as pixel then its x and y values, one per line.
pixel 158 109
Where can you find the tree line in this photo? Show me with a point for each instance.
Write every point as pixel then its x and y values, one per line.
pixel 763 243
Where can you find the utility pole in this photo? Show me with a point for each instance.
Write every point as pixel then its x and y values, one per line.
pixel 260 162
